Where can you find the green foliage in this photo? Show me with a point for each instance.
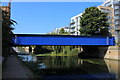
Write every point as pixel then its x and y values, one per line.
pixel 67 49
pixel 21 49
pixel 52 33
pixel 74 51
pixel 94 22
pixel 62 32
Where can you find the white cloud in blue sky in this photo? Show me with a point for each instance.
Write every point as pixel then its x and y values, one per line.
pixel 53 0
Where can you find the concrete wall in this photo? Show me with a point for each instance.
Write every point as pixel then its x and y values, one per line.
pixel 109 52
pixel 113 52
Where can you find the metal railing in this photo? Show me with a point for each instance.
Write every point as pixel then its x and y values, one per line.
pixel 117 7
pixel 117 12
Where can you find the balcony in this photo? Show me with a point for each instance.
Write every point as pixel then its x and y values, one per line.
pixel 116 3
pixel 117 17
pixel 108 4
pixel 117 22
pixel 117 12
pixel 117 28
pixel 117 7
pixel 72 31
pixel 72 23
pixel 73 27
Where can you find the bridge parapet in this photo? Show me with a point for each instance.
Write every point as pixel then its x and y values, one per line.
pixel 32 39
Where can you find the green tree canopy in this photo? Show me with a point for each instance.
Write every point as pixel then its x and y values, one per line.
pixel 94 22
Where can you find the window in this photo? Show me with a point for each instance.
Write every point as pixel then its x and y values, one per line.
pixel 73 20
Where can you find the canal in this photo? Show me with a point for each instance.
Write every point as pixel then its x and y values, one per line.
pixel 71 68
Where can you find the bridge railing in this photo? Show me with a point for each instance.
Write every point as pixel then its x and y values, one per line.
pixel 30 39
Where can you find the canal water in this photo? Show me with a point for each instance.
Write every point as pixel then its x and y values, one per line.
pixel 71 68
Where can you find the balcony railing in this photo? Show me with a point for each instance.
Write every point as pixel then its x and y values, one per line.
pixel 72 23
pixel 117 7
pixel 117 28
pixel 108 4
pixel 117 22
pixel 117 12
pixel 116 3
pixel 117 17
pixel 72 32
pixel 72 27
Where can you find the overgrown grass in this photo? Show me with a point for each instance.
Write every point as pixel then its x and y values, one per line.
pixel 73 52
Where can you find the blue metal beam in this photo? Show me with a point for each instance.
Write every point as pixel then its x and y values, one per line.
pixel 31 39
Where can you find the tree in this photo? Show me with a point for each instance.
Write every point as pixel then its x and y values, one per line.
pixel 7 34
pixel 62 32
pixel 94 22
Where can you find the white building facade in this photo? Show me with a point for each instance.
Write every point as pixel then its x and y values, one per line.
pixel 75 25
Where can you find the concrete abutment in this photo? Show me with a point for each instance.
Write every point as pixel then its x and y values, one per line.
pixel 107 52
pixel 113 52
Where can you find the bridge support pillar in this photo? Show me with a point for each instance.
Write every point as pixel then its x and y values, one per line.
pixel 107 52
pixel 30 49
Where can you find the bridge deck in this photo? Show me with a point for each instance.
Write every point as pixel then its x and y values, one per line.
pixel 31 39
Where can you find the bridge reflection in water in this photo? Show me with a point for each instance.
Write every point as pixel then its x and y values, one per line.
pixel 73 68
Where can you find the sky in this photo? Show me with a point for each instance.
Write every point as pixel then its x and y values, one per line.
pixel 44 17
pixel 52 0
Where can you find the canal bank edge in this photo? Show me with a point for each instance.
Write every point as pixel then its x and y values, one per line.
pixel 29 73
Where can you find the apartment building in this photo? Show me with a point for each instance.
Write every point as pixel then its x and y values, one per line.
pixel 6 10
pixel 115 4
pixel 110 17
pixel 66 29
pixel 57 30
pixel 75 25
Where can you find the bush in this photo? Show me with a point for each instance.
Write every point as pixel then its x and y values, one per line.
pixel 74 51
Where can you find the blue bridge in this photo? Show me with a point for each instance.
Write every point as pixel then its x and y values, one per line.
pixel 32 39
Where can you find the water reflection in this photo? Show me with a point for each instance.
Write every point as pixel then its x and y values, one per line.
pixel 113 67
pixel 73 68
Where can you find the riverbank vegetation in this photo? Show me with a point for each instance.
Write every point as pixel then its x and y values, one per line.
pixel 56 50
